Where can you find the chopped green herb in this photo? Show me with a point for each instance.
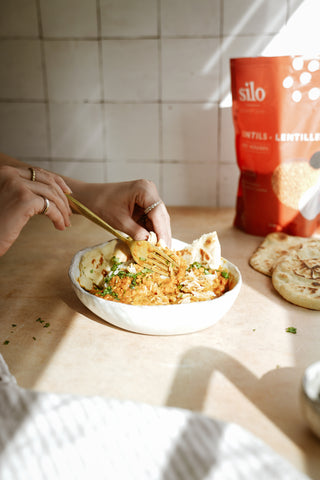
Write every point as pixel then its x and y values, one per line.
pixel 46 325
pixel 146 270
pixel 6 342
pixel 198 265
pixel 34 338
pixel 14 325
pixel 114 263
pixel 143 259
pixel 91 271
pixel 291 330
pixel 108 291
pixel 39 320
pixel 225 274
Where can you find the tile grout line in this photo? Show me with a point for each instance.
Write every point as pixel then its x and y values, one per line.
pixel 102 92
pixel 219 128
pixel 45 82
pixel 160 104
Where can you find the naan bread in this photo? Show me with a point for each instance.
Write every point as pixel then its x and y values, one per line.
pixel 96 262
pixel 274 246
pixel 296 277
pixel 205 250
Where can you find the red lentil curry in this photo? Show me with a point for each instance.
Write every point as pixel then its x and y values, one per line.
pixel 122 280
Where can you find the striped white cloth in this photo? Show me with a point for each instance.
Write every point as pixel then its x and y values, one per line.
pixel 68 437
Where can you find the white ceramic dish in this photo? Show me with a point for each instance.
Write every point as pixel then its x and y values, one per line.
pixel 158 319
pixel 310 397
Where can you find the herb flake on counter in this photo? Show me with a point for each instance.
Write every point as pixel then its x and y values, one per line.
pixel 34 338
pixel 39 320
pixel 46 325
pixel 291 330
pixel 6 342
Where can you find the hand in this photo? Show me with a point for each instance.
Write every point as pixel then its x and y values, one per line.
pixel 21 198
pixel 122 205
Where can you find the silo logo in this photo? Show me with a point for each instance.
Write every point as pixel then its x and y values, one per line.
pixel 249 93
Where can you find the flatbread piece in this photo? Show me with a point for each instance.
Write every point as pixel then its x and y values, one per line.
pixel 296 276
pixel 274 246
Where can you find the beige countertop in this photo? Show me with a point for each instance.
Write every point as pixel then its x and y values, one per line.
pixel 246 368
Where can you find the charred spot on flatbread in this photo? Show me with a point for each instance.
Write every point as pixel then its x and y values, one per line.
pixel 309 268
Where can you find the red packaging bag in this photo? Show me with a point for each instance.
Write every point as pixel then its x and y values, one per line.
pixel 276 116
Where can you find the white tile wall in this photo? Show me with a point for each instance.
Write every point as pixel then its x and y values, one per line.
pixel 130 70
pixel 132 131
pixel 69 18
pixel 18 19
pixel 76 131
pixel 123 171
pixel 119 89
pixel 21 75
pixel 23 129
pixel 253 17
pixel 72 69
pixel 189 132
pixel 190 18
pixel 92 171
pixel 190 183
pixel 129 18
pixel 184 73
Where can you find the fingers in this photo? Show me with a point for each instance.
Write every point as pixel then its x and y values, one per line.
pixel 50 210
pixel 148 199
pixel 160 219
pixel 136 231
pixel 43 176
pixel 53 187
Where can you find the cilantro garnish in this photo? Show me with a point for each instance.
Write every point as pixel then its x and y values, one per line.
pixel 198 265
pixel 115 262
pixel 291 330
pixel 108 291
pixel 225 274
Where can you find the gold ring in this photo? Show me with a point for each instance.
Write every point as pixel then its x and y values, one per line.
pixel 46 206
pixel 151 207
pixel 33 174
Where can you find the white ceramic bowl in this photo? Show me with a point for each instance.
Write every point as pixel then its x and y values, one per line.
pixel 310 397
pixel 158 319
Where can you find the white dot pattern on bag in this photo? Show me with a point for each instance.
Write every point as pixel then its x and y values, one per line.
pixel 304 78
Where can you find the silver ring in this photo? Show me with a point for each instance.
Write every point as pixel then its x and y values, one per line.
pixel 33 174
pixel 46 206
pixel 151 207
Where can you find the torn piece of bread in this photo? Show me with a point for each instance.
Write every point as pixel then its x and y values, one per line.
pixel 96 262
pixel 274 246
pixel 205 250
